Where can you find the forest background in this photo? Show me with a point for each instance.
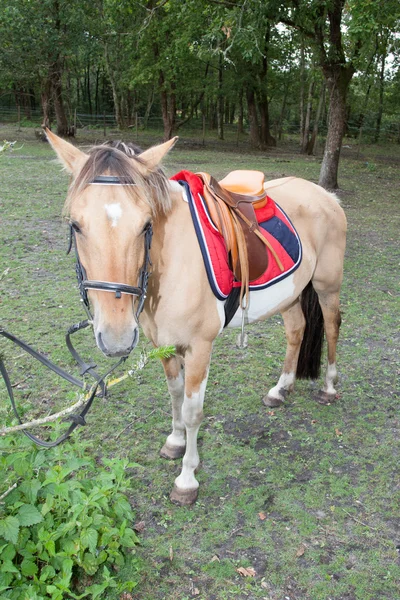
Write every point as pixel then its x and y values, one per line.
pixel 261 68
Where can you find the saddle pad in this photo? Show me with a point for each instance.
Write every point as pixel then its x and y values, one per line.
pixel 274 225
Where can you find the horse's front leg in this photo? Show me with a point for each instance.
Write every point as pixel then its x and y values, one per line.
pixel 197 362
pixel 175 444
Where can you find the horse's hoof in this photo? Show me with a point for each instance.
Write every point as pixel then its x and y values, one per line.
pixel 272 402
pixel 172 452
pixel 183 497
pixel 325 398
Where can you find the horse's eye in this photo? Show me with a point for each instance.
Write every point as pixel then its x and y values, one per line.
pixel 75 227
pixel 146 227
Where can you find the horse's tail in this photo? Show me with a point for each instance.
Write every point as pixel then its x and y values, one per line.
pixel 309 363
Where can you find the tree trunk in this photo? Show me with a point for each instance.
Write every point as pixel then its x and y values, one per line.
pixel 168 108
pixel 302 88
pixel 56 87
pixel 265 134
pixel 253 118
pixel 338 80
pixel 313 140
pixel 279 125
pixel 241 115
pixel 220 113
pixel 267 140
pixel 116 99
pixel 307 122
pixel 45 98
pixel 381 90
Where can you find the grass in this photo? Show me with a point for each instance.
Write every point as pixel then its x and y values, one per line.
pixel 306 495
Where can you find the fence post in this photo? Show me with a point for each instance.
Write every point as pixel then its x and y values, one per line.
pixel 104 124
pixel 137 126
pixel 19 118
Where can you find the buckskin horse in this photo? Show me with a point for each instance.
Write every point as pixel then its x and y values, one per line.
pixel 117 201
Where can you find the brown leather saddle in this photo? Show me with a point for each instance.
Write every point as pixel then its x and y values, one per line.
pixel 231 204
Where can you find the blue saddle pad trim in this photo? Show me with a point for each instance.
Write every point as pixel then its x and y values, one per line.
pixel 284 235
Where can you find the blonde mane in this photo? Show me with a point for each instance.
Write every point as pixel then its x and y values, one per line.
pixel 123 160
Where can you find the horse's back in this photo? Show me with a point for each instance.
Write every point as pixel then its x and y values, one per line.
pixel 315 212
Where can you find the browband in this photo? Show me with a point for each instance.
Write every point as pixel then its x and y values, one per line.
pixel 113 180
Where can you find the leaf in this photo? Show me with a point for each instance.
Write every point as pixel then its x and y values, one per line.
pixel 47 572
pixel 338 432
pixel 8 567
pixel 300 550
pixel 29 515
pixel 89 539
pixel 90 563
pixel 9 529
pixel 8 552
pixel 262 516
pixel 28 568
pixel 30 488
pixel 246 571
pixel 129 539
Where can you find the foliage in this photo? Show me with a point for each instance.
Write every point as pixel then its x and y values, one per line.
pixel 6 146
pixel 66 518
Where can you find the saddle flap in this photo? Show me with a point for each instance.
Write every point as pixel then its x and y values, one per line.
pixel 235 218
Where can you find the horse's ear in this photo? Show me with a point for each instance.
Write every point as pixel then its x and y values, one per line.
pixel 153 156
pixel 71 157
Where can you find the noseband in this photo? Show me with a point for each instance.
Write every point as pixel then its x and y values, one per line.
pixel 118 289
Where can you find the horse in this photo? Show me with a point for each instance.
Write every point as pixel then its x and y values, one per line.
pixel 116 194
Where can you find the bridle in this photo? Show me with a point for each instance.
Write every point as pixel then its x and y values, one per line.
pixel 85 284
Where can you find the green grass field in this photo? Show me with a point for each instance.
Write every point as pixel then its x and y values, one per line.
pixel 307 496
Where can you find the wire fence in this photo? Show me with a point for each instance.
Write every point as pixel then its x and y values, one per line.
pixel 389 131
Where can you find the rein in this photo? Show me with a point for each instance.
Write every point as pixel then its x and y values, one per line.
pixel 84 284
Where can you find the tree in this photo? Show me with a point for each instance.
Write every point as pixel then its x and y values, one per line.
pixel 339 32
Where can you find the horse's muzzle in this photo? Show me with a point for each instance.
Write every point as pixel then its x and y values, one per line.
pixel 115 346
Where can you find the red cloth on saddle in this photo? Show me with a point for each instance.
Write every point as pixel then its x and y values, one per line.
pixel 274 225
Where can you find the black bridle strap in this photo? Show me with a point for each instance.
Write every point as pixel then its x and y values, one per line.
pixel 109 286
pixel 112 180
pixel 76 418
pixel 41 358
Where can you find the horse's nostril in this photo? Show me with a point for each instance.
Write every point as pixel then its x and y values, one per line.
pixel 101 344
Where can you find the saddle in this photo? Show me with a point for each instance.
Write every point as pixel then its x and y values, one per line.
pixel 231 204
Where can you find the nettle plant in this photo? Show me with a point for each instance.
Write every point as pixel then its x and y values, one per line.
pixel 65 523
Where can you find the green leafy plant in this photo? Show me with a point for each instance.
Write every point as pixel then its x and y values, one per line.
pixel 63 519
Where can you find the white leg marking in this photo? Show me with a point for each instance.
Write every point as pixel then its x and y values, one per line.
pixel 330 379
pixel 176 388
pixel 283 387
pixel 192 416
pixel 114 213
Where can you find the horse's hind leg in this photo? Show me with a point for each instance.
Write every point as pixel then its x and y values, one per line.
pixel 329 302
pixel 295 322
pixel 175 444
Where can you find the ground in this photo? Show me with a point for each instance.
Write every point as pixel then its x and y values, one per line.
pixel 296 503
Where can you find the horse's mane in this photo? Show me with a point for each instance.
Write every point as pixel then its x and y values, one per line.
pixel 123 160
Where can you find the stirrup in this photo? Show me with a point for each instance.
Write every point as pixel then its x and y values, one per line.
pixel 242 338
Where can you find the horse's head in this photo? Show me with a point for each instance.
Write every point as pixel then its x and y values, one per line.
pixel 110 217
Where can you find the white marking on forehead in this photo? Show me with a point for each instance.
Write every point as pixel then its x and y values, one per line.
pixel 114 212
